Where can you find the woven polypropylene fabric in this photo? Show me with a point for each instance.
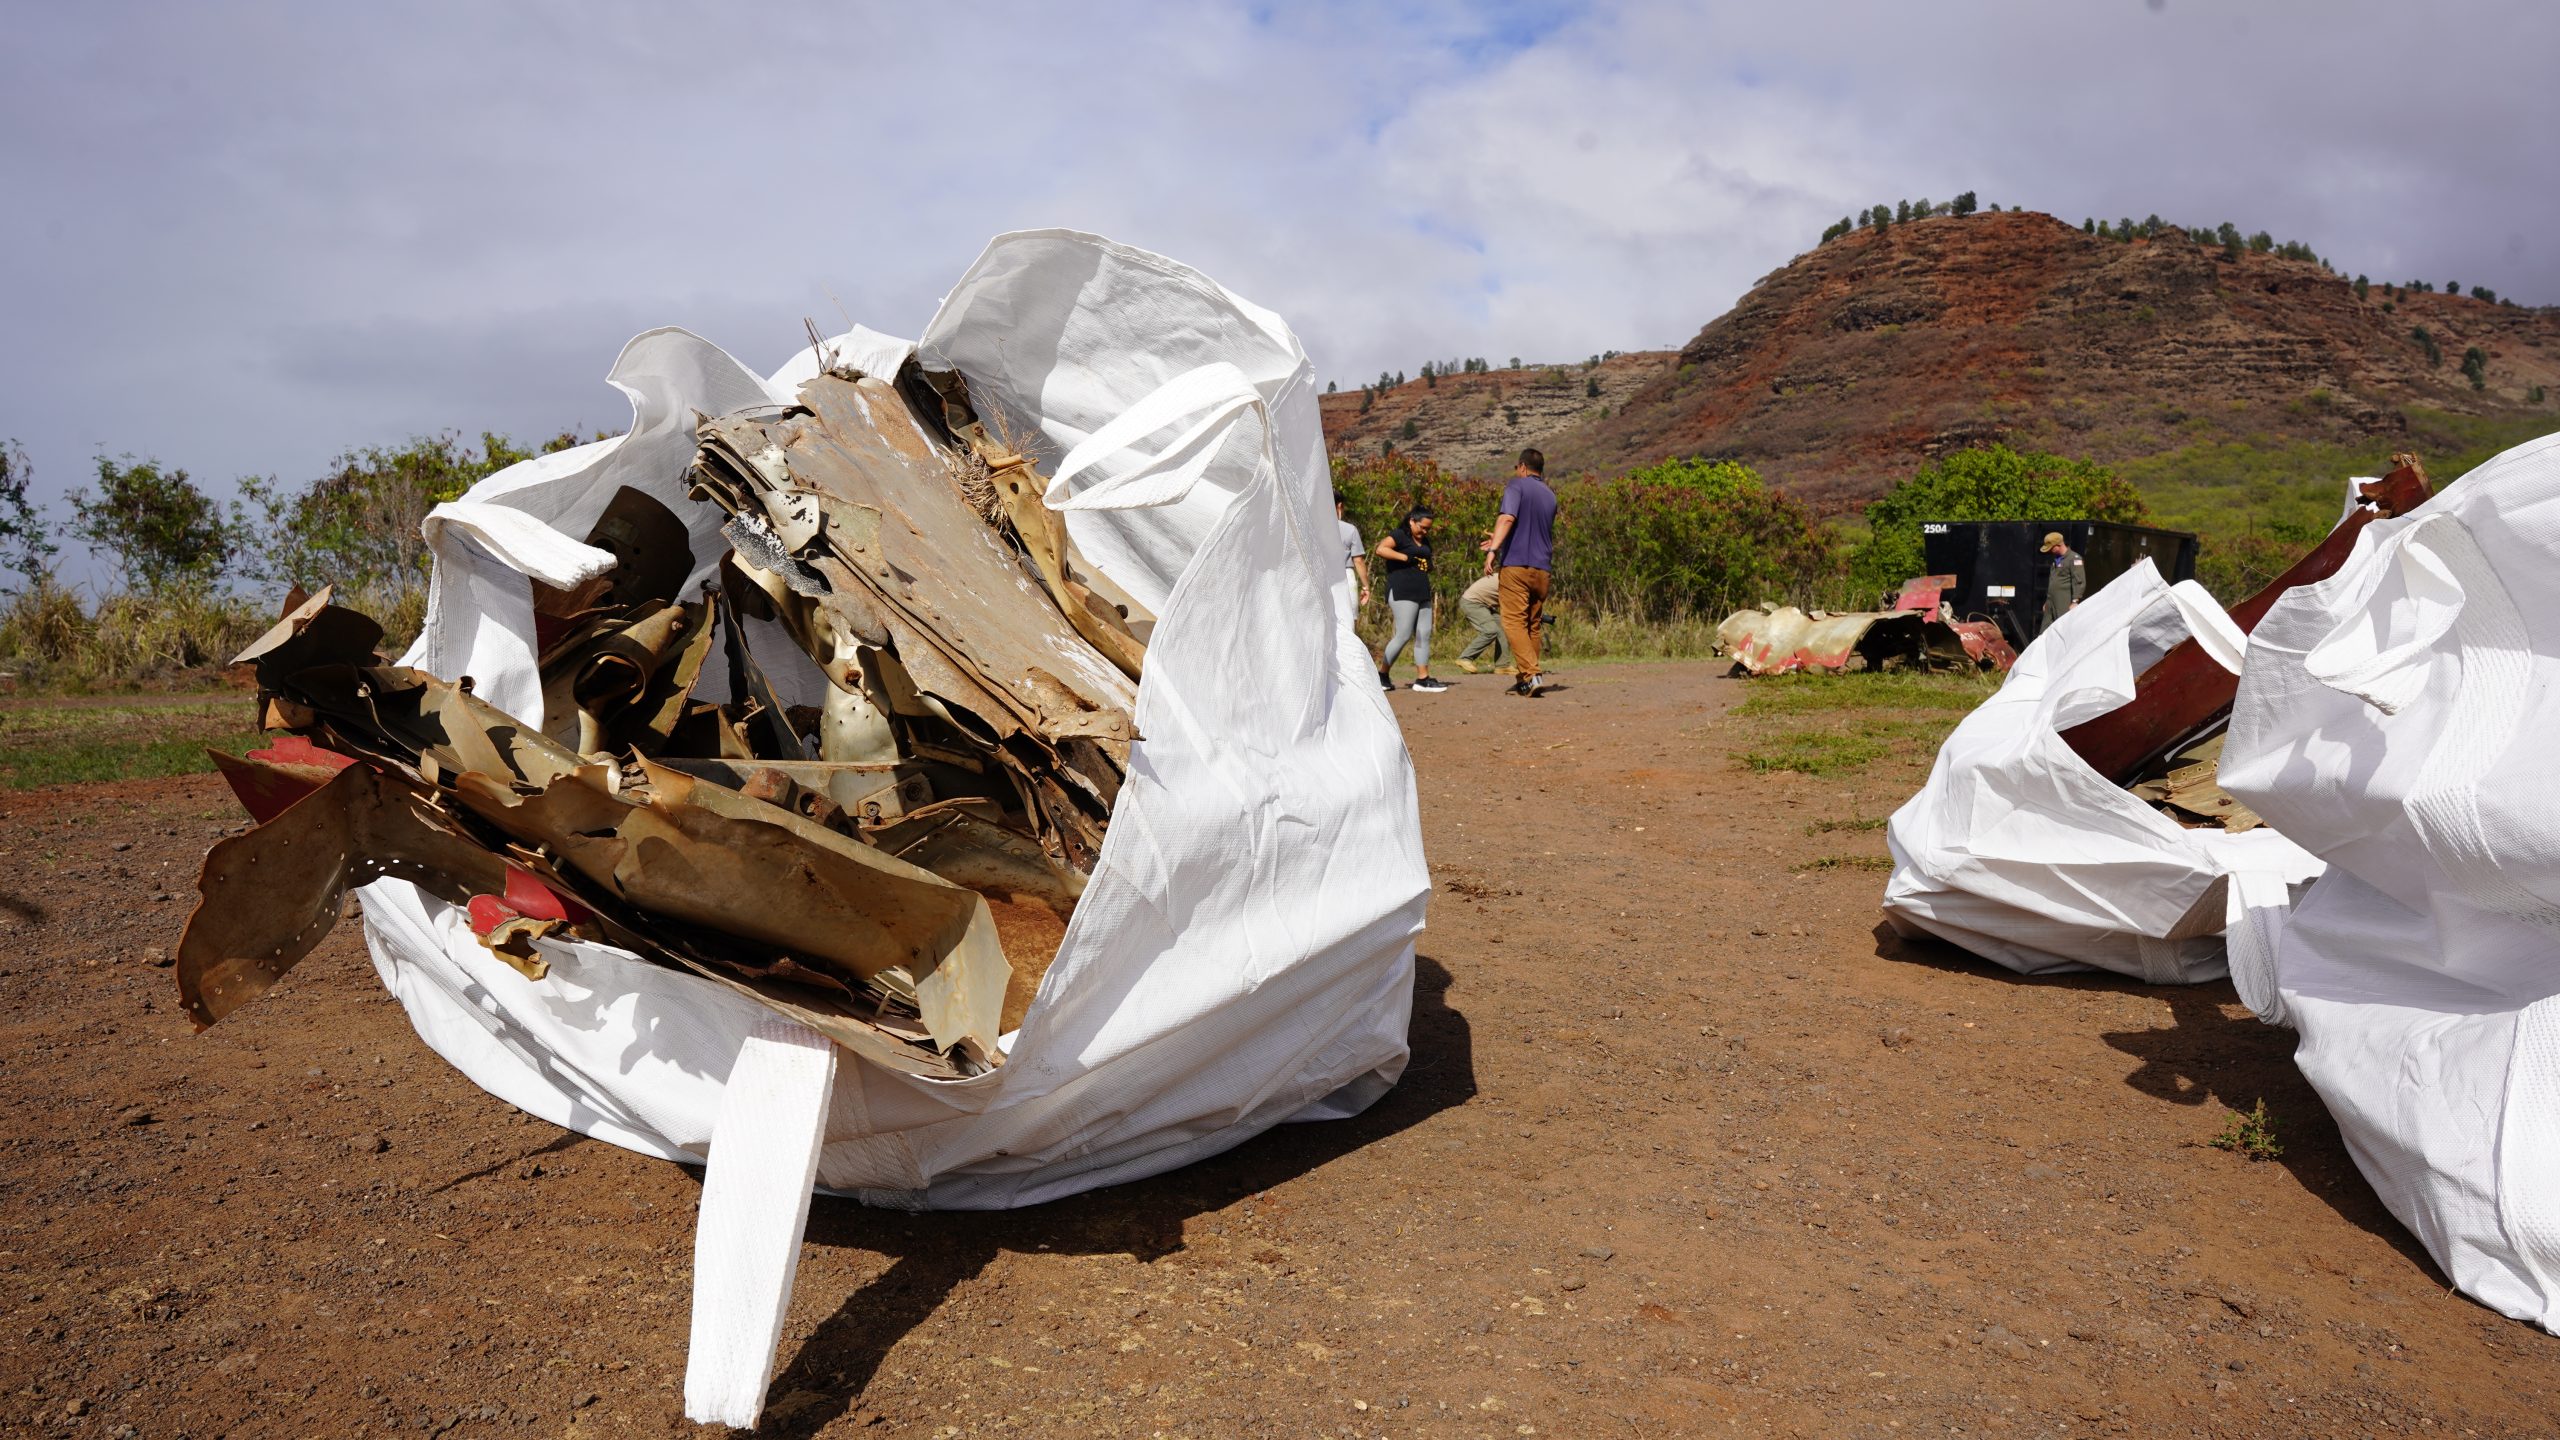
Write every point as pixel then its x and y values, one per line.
pixel 2396 718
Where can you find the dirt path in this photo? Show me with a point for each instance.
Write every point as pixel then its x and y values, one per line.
pixel 1684 1150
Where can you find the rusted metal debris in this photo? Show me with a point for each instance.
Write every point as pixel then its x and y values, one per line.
pixel 2186 695
pixel 2190 791
pixel 893 867
pixel 1914 634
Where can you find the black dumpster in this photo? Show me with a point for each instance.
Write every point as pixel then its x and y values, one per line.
pixel 2001 576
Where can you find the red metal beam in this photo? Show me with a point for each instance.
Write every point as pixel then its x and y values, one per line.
pixel 2185 692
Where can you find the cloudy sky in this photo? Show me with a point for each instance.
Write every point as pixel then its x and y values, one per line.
pixel 244 237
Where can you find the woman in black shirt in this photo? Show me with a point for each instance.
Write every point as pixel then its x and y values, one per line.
pixel 1407 553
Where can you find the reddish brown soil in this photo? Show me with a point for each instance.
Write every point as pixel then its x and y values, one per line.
pixel 1683 1150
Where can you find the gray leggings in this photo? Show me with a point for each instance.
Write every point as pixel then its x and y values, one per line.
pixel 1413 624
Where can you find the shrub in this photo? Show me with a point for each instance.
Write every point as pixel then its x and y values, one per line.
pixel 2475 368
pixel 1996 483
pixel 356 527
pixel 1681 539
pixel 49 640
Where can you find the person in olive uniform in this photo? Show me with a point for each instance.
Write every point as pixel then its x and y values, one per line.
pixel 2068 582
pixel 1407 553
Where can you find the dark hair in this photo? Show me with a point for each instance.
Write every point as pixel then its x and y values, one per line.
pixel 1534 459
pixel 1338 500
pixel 1419 512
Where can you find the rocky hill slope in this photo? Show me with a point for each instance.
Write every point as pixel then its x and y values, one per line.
pixel 1477 422
pixel 1842 371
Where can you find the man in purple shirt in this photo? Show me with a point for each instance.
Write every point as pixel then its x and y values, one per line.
pixel 1523 546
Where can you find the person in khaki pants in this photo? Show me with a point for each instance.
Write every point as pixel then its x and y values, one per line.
pixel 1522 548
pixel 1482 605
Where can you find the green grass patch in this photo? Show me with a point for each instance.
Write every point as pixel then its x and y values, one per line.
pixel 88 762
pixel 2260 503
pixel 1851 721
pixel 1843 862
pixel 1831 827
pixel 1881 690
pixel 1816 752
pixel 84 744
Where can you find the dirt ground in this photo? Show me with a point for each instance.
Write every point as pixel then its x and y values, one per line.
pixel 1685 1148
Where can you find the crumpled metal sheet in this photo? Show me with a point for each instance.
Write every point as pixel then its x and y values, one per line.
pixel 936 612
pixel 1915 632
pixel 1786 640
pixel 893 867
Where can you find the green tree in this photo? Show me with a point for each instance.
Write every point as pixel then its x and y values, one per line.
pixel 1591 388
pixel 1902 212
pixel 2361 287
pixel 1996 483
pixel 26 541
pixel 1330 387
pixel 1963 205
pixel 356 526
pixel 2427 343
pixel 1409 430
pixel 2453 287
pixel 152 524
pixel 2088 226
pixel 2475 368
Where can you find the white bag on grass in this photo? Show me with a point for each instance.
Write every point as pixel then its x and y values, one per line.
pixel 2399 717
pixel 1243 954
pixel 2019 852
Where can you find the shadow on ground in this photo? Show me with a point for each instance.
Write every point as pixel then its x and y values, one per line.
pixel 2206 1055
pixel 936 1253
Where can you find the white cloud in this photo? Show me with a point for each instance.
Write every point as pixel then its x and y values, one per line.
pixel 248 238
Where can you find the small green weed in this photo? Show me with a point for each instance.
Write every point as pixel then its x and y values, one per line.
pixel 1877 863
pixel 2252 1134
pixel 1829 827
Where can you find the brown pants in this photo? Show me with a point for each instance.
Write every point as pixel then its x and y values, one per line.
pixel 1524 599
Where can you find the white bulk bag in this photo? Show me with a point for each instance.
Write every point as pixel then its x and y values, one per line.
pixel 2398 718
pixel 2018 851
pixel 1243 954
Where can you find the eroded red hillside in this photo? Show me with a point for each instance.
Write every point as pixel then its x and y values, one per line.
pixel 1857 361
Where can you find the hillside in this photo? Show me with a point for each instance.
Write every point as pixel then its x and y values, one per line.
pixel 1478 422
pixel 1845 369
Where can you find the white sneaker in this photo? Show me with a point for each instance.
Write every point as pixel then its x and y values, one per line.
pixel 1428 686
